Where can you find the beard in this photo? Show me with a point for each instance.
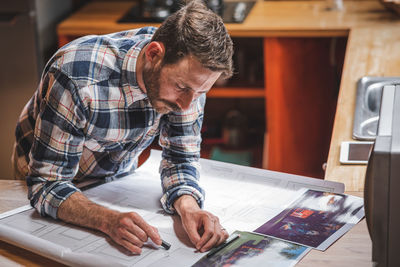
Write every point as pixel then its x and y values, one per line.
pixel 151 80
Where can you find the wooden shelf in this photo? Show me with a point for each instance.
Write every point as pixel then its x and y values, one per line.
pixel 236 92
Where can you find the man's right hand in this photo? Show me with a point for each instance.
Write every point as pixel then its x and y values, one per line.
pixel 130 231
pixel 127 229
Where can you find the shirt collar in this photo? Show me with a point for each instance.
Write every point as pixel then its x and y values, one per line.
pixel 129 83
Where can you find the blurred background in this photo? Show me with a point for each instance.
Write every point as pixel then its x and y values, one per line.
pixel 28 39
pixel 276 112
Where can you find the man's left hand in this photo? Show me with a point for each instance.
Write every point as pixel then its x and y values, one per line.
pixel 202 227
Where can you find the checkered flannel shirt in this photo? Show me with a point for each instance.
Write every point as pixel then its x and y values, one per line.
pixel 90 119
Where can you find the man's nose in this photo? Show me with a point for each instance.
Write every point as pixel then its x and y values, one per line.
pixel 186 99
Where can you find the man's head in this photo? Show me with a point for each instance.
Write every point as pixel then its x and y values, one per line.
pixel 185 57
pixel 196 30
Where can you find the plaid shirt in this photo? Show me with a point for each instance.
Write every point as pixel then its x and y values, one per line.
pixel 90 119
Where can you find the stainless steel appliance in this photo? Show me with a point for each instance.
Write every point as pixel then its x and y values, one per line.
pixel 368 101
pixel 18 70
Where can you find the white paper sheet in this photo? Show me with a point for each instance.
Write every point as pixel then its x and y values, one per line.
pixel 242 197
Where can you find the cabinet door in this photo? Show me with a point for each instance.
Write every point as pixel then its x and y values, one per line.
pixel 302 77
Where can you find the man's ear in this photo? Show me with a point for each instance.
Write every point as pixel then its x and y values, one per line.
pixel 155 52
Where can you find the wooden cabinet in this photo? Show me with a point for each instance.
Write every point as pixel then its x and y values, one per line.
pixel 298 79
pixel 302 78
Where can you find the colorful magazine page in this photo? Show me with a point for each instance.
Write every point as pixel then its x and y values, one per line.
pixel 252 249
pixel 317 219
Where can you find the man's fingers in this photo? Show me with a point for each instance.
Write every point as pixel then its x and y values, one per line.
pixel 155 236
pixel 213 236
pixel 132 238
pixel 131 231
pixel 128 224
pixel 129 246
pixel 224 236
pixel 145 230
pixel 213 241
pixel 202 227
pixel 219 236
pixel 209 229
pixel 191 230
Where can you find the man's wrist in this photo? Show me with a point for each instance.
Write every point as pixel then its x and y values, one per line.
pixel 107 220
pixel 185 203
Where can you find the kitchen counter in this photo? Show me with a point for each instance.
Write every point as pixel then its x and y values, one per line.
pixel 372 50
pixel 266 19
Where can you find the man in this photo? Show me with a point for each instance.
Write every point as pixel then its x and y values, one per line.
pixel 100 103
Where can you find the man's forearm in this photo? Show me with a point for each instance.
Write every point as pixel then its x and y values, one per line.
pixel 79 210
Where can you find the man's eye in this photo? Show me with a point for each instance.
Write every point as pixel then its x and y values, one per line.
pixel 181 88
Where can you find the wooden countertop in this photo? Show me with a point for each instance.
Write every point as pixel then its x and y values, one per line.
pixel 267 18
pixel 353 249
pixel 13 195
pixel 373 49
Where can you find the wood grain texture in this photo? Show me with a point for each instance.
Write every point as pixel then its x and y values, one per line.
pixel 300 104
pixel 13 195
pixel 266 19
pixel 371 51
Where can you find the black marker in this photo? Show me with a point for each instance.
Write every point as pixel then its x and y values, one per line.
pixel 227 242
pixel 165 244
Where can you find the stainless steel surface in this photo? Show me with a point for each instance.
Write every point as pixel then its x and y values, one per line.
pixel 366 113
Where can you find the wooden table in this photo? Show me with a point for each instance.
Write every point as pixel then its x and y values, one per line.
pixel 353 249
pixel 13 194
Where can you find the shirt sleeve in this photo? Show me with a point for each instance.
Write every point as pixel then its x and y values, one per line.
pixel 57 145
pixel 180 139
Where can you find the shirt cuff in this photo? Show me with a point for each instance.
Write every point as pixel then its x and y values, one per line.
pixel 47 197
pixel 168 199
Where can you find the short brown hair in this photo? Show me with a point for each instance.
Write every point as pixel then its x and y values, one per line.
pixel 194 29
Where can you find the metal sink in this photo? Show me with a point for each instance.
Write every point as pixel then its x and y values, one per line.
pixel 368 102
